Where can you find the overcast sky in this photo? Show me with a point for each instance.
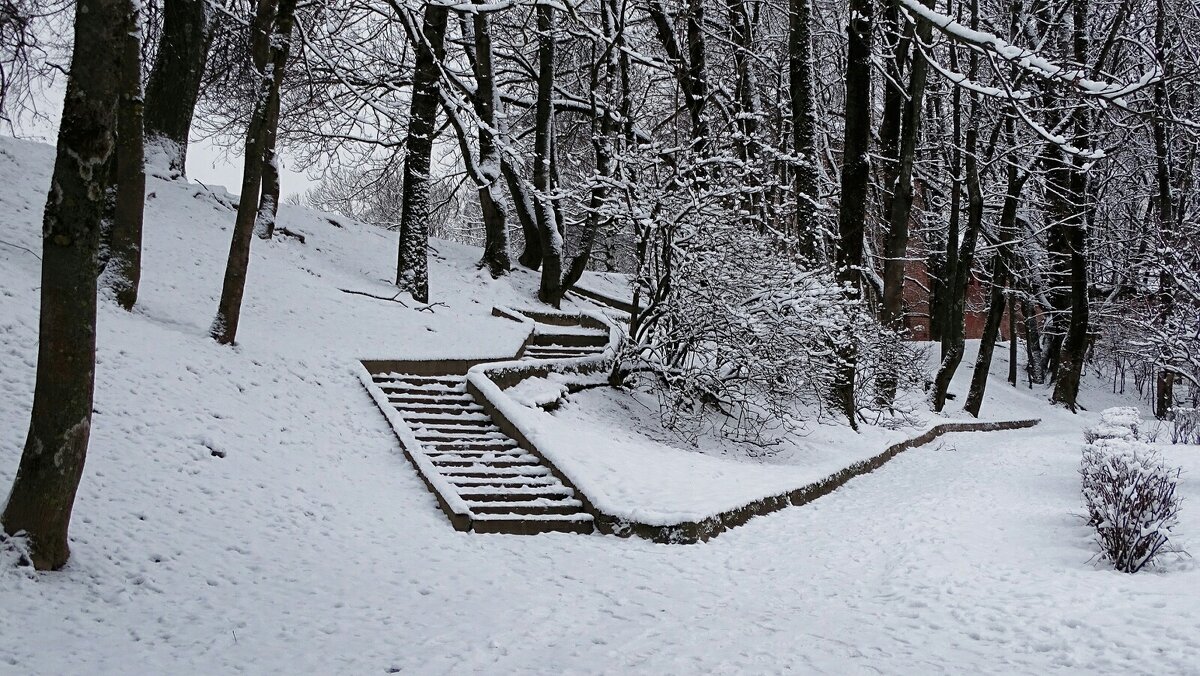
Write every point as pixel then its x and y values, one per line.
pixel 206 163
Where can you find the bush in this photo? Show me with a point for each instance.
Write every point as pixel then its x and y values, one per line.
pixel 743 332
pixel 1185 428
pixel 1121 422
pixel 1129 492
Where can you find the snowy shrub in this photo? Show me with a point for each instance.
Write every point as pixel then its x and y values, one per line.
pixel 734 327
pixel 1129 492
pixel 1186 426
pixel 1121 422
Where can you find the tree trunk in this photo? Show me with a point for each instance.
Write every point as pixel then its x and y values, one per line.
pixel 746 114
pixel 174 83
pixel 412 260
pixel 605 135
pixel 987 343
pixel 949 278
pixel 531 254
pixel 897 37
pixel 123 271
pixel 1012 340
pixel 43 492
pixel 547 222
pixel 896 246
pixel 1164 386
pixel 896 243
pixel 690 70
pixel 225 325
pixel 856 169
pixel 281 47
pixel 1074 226
pixel 491 198
pixel 953 329
pixel 804 127
pixel 1001 274
pixel 1033 346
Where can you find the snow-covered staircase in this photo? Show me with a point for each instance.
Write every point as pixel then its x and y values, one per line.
pixel 485 473
pixel 552 342
pixel 504 488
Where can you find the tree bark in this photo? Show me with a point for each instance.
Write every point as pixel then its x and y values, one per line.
pixel 229 309
pixel 531 253
pixel 550 290
pixel 174 83
pixel 412 259
pixel 1164 385
pixel 1073 184
pixel 896 241
pixel 804 127
pixel 1001 274
pixel 123 270
pixel 281 47
pixel 491 198
pixel 953 329
pixel 856 168
pixel 43 492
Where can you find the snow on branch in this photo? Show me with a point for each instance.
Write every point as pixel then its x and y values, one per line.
pixel 1029 60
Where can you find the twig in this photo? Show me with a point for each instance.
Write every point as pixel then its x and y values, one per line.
pixel 394 299
pixel 430 307
pixel 31 252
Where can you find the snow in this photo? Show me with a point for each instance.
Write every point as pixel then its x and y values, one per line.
pixel 248 510
pixel 538 392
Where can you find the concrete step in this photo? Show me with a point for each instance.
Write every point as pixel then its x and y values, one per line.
pixel 527 507
pixel 502 482
pixel 530 524
pixel 483 446
pixel 482 463
pixel 482 472
pixel 512 494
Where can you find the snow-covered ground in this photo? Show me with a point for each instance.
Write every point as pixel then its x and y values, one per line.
pixel 248 510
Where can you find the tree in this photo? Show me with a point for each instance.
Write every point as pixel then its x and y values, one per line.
pixel 272 24
pixel 268 203
pixel 174 83
pixel 804 126
pixel 551 289
pixel 856 168
pixel 43 493
pixel 412 260
pixel 123 241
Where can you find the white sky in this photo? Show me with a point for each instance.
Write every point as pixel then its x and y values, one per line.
pixel 206 163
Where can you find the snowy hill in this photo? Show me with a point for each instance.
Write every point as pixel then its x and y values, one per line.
pixel 247 509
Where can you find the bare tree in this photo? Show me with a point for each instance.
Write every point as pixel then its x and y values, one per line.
pixel 43 493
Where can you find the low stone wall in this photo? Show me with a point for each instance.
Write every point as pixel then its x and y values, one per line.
pixel 698 531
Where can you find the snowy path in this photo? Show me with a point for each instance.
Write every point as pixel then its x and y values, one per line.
pixel 943 561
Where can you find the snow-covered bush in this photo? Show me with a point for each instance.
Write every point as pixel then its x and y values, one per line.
pixel 1185 428
pixel 1121 422
pixel 734 327
pixel 1129 492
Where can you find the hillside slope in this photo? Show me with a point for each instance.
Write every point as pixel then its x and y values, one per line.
pixel 247 510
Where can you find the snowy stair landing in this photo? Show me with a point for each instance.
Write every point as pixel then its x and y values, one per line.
pixel 505 488
pixel 556 342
